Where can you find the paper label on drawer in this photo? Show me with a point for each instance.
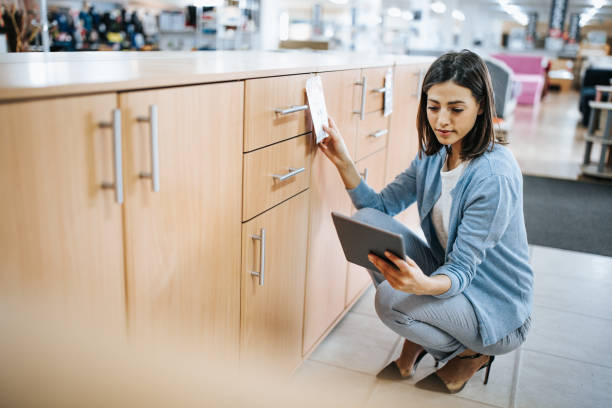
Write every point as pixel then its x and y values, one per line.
pixel 388 103
pixel 316 102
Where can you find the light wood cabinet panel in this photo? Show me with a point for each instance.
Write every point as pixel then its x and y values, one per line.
pixel 263 126
pixel 375 80
pixel 403 139
pixel 358 278
pixel 261 189
pixel 61 240
pixel 342 100
pixel 373 134
pixel 326 275
pixel 183 242
pixel 271 318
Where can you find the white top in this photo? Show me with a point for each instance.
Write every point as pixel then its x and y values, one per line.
pixel 440 214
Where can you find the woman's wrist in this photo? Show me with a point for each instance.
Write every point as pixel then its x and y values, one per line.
pixel 437 285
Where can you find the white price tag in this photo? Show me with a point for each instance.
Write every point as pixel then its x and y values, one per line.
pixel 316 103
pixel 388 103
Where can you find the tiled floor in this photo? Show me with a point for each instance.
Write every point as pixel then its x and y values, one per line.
pixel 566 360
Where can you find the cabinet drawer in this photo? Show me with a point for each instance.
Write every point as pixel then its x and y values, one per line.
pixel 268 178
pixel 373 133
pixel 375 80
pixel 265 98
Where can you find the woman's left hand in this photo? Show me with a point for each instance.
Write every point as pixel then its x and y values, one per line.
pixel 407 277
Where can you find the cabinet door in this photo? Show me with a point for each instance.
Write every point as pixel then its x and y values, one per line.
pixel 326 276
pixel 61 241
pixel 372 169
pixel 403 139
pixel 274 243
pixel 183 242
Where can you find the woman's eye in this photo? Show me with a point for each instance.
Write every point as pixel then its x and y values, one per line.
pixel 432 108
pixel 456 110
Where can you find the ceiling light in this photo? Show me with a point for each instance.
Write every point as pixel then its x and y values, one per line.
pixel 408 15
pixel 438 7
pixel 339 1
pixel 458 15
pixel 394 12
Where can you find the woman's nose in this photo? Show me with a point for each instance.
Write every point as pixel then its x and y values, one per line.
pixel 443 118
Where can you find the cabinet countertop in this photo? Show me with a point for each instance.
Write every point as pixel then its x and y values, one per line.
pixel 36 75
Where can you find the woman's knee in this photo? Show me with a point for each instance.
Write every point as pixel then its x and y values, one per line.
pixel 387 303
pixel 368 215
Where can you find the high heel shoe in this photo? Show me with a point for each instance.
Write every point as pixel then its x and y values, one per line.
pixel 392 372
pixel 453 377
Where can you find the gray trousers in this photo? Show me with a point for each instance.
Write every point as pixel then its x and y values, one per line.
pixel 444 327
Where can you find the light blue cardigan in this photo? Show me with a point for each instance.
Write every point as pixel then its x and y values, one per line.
pixel 487 256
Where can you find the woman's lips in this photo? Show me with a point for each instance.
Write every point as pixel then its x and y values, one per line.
pixel 444 132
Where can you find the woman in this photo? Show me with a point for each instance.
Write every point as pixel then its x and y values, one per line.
pixel 465 295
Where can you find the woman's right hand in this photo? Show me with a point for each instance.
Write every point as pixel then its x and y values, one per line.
pixel 333 146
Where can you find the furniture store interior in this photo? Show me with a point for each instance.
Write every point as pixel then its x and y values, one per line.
pixel 394 203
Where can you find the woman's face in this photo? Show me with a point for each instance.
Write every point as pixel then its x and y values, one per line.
pixel 451 111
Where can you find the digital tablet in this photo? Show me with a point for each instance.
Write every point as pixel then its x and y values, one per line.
pixel 358 239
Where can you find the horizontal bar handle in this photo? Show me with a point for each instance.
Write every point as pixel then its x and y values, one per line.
pixel 292 172
pixel 600 105
pixel 380 90
pixel 291 109
pixel 379 133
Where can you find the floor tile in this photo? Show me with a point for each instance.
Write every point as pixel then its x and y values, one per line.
pixel 570 335
pixel 359 342
pixel 365 305
pixel 389 395
pixel 348 388
pixel 573 281
pixel 547 381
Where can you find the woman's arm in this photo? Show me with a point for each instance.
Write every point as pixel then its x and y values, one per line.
pixel 334 148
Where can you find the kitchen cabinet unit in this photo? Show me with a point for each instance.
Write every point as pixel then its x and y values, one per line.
pixel 326 276
pixel 183 238
pixel 372 170
pixel 403 138
pixel 185 204
pixel 61 240
pixel 273 273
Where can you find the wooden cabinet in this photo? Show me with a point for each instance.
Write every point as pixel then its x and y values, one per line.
pixel 372 170
pixel 375 79
pixel 61 239
pixel 183 241
pixel 403 138
pixel 372 135
pixel 274 247
pixel 326 276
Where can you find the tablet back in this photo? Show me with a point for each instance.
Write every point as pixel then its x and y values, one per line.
pixel 358 239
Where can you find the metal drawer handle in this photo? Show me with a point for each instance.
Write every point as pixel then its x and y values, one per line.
pixel 154 175
pixel 364 85
pixel 291 109
pixel 118 184
pixel 419 83
pixel 364 174
pixel 262 256
pixel 380 90
pixel 292 172
pixel 379 133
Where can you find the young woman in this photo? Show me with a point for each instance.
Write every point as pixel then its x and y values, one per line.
pixel 465 295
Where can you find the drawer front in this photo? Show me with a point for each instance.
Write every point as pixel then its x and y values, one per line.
pixel 373 134
pixel 375 81
pixel 274 174
pixel 265 98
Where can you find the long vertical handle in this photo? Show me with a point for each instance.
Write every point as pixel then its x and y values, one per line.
pixel 364 174
pixel 153 126
pixel 364 87
pixel 117 185
pixel 262 256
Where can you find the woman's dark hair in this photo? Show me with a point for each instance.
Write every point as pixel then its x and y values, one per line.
pixel 465 69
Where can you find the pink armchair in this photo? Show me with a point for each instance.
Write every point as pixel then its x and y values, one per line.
pixel 530 71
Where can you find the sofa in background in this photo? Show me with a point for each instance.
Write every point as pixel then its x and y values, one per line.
pixel 530 71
